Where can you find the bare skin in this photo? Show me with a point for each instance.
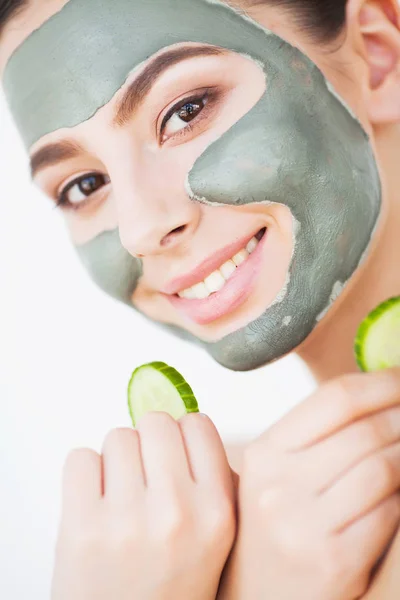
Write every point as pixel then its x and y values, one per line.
pixel 352 422
pixel 318 495
pixel 149 517
pixel 329 351
pixel 386 583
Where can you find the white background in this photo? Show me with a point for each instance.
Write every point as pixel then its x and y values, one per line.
pixel 66 354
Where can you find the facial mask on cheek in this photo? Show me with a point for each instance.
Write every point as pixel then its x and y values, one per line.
pixel 299 146
pixel 110 266
pixel 313 157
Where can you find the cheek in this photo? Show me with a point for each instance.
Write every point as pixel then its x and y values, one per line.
pixel 345 80
pixel 85 225
pixel 191 152
pixel 246 93
pixel 179 160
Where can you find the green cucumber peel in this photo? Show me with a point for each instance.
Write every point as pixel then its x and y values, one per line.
pixel 156 387
pixel 377 344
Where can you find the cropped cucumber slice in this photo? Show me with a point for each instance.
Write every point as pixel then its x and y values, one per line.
pixel 377 344
pixel 160 388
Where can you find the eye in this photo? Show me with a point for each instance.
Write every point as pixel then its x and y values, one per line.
pixel 77 192
pixel 181 115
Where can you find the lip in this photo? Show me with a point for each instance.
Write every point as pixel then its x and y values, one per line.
pixel 234 293
pixel 204 269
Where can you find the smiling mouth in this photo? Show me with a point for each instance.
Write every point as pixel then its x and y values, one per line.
pixel 225 288
pixel 218 278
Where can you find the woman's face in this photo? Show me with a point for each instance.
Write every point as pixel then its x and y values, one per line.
pixel 199 191
pixel 189 250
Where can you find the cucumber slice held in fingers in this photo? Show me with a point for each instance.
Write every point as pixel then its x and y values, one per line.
pixel 156 387
pixel 377 343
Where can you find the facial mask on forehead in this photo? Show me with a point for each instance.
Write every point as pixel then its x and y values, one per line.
pixel 299 146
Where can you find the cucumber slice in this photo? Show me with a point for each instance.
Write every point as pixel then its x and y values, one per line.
pixel 156 387
pixel 377 343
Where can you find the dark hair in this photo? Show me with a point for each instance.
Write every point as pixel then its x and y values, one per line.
pixel 323 19
pixel 9 8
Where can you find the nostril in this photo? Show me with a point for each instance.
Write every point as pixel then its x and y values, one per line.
pixel 173 234
pixel 180 229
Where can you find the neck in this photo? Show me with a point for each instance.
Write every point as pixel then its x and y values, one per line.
pixel 328 352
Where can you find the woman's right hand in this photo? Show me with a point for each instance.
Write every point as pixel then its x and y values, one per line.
pixel 153 518
pixel 319 495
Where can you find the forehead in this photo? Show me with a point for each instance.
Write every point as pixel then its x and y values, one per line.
pixel 21 25
pixel 87 50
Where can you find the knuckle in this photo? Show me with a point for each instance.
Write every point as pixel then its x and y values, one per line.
pixel 269 500
pixel 287 541
pixel 333 564
pixel 386 515
pixel 116 436
pixel 286 531
pixel 78 455
pixel 371 434
pixel 382 472
pixel 175 523
pixel 198 419
pixel 347 565
pixel 78 461
pixel 345 389
pixel 221 522
pixel 358 563
pixel 74 456
pixel 155 420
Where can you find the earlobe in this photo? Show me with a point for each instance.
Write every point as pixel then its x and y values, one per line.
pixel 379 26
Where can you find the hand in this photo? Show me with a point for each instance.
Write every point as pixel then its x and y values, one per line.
pixel 386 581
pixel 318 497
pixel 152 519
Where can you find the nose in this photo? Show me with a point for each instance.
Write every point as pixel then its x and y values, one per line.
pixel 155 214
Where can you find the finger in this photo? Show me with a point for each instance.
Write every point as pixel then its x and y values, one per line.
pixel 163 451
pixel 363 488
pixel 206 453
pixel 372 533
pixel 82 482
pixel 335 405
pixel 123 469
pixel 331 458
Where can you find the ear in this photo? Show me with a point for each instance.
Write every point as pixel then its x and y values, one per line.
pixel 377 23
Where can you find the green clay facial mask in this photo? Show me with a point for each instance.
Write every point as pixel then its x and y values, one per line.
pixel 299 146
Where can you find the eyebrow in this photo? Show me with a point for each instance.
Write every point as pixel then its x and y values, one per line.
pixel 143 84
pixel 53 154
pixel 134 96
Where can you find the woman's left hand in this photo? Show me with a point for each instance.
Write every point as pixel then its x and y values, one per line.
pixel 319 495
pixel 386 581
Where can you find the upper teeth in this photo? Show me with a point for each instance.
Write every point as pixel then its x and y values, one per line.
pixel 217 279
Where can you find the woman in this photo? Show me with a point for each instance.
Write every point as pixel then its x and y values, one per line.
pixel 231 175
